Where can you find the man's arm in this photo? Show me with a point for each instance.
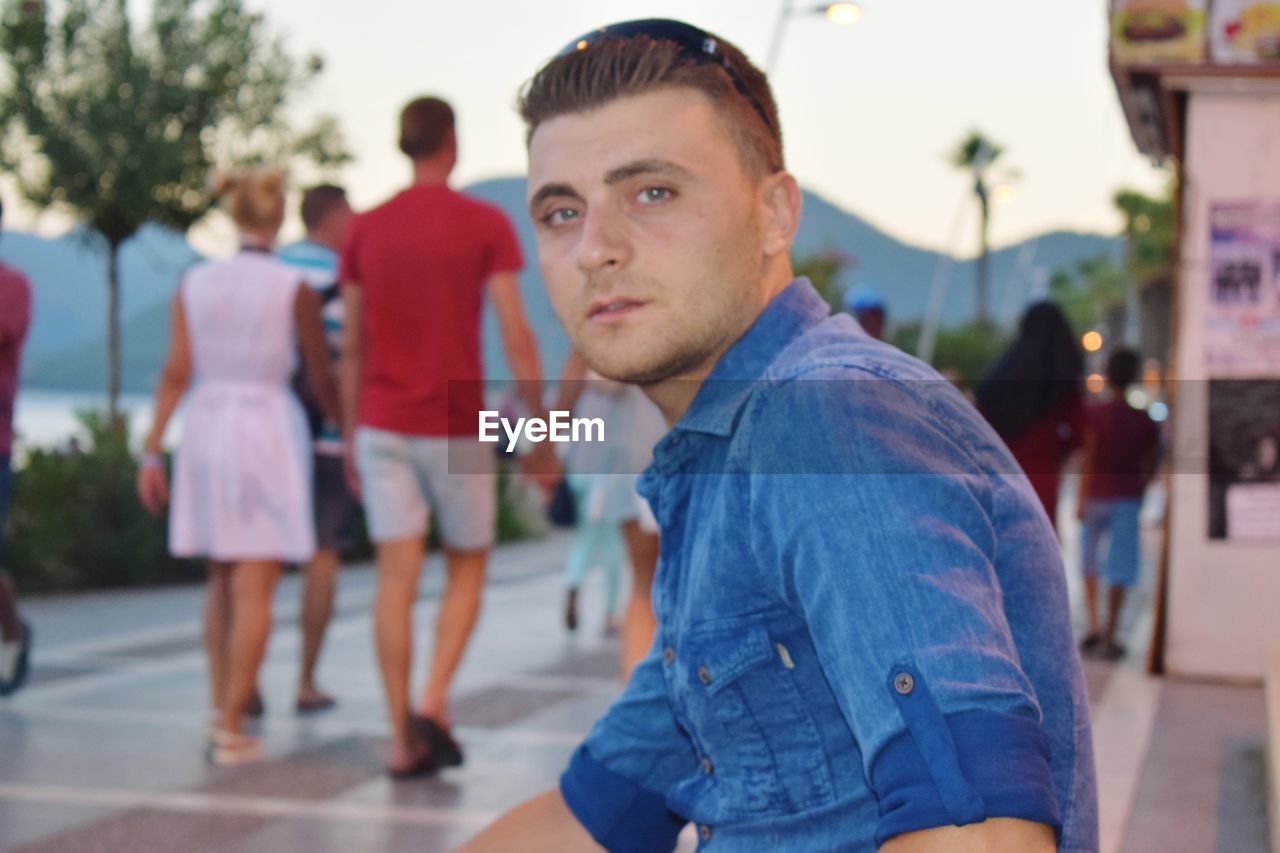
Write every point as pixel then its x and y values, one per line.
pixel 349 373
pixel 997 833
pixel 522 355
pixel 541 823
pixel 615 786
pixel 517 339
pixel 893 569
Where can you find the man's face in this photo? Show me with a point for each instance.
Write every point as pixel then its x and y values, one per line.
pixel 650 234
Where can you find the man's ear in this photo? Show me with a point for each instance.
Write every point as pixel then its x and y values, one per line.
pixel 781 199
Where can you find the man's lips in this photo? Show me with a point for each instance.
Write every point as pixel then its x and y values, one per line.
pixel 613 307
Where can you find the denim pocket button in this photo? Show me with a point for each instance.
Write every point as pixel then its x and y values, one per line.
pixel 704 674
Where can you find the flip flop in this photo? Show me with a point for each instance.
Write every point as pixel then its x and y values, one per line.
pixel 447 751
pixel 314 706
pixel 1091 642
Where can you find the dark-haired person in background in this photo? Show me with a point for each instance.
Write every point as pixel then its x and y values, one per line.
pixel 1120 452
pixel 863 634
pixel 15 320
pixel 1034 397
pixel 325 214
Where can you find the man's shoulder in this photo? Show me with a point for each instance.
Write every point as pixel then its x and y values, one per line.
pixel 317 264
pixel 837 349
pixel 483 209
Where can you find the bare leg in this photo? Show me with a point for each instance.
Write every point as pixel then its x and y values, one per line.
pixel 1091 604
pixel 252 584
pixel 639 623
pixel 217 629
pixel 318 585
pixel 10 627
pixel 399 566
pixel 459 609
pixel 1115 605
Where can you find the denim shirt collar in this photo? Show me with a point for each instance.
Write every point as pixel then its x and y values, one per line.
pixel 795 310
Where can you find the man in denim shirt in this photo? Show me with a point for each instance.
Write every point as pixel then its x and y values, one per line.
pixel 863 632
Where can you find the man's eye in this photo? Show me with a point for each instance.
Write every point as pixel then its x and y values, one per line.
pixel 648 195
pixel 559 216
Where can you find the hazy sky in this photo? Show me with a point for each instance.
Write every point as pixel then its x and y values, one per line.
pixel 869 113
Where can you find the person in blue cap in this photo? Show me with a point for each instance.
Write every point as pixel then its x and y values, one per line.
pixel 868 307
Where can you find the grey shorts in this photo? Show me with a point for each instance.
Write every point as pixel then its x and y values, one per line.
pixel 335 506
pixel 405 478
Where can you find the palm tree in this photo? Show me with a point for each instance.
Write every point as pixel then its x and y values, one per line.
pixel 976 153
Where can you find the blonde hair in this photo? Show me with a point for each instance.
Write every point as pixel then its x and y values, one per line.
pixel 253 198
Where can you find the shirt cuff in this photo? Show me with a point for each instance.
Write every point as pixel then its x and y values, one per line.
pixel 999 768
pixel 620 815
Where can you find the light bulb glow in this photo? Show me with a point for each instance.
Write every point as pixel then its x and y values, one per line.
pixel 844 14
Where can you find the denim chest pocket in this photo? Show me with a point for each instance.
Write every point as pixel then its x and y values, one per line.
pixel 759 740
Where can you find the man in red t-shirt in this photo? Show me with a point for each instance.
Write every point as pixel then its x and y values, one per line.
pixel 414 272
pixel 15 318
pixel 1120 452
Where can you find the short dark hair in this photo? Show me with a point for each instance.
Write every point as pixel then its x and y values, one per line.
pixel 318 201
pixel 1124 366
pixel 425 124
pixel 613 67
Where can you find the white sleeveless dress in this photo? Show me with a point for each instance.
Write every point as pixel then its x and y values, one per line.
pixel 242 473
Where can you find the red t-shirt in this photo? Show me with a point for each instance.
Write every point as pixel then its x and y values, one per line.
pixel 422 259
pixel 1124 438
pixel 15 319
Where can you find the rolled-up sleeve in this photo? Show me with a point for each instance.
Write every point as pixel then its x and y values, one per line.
pixel 884 525
pixel 617 780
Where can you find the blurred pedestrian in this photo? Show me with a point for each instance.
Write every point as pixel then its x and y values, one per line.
pixel 611 512
pixel 868 308
pixel 242 472
pixel 1034 397
pixel 1120 452
pixel 15 320
pixel 414 274
pixel 325 214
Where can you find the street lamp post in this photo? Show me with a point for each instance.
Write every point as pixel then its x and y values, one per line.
pixel 841 14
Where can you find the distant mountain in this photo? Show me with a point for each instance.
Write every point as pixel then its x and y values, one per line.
pixel 69 276
pixel 66 347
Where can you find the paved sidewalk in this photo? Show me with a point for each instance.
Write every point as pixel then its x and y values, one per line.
pixel 103 751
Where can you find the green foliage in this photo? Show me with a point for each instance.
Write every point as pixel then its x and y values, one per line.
pixel 1149 232
pixel 823 270
pixel 975 151
pixel 1089 291
pixel 125 126
pixel 120 126
pixel 76 522
pixel 966 352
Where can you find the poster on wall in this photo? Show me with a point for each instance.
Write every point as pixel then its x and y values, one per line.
pixel 1242 317
pixel 1157 31
pixel 1244 31
pixel 1244 459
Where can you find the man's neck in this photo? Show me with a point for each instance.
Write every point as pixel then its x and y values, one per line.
pixel 330 242
pixel 431 172
pixel 674 396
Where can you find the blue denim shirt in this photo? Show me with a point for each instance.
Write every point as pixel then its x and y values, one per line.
pixel 863 619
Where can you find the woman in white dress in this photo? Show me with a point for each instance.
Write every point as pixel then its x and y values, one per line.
pixel 242 472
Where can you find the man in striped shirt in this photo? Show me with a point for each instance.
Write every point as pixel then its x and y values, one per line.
pixel 325 213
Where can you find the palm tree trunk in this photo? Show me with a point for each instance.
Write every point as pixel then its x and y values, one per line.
pixel 983 269
pixel 113 334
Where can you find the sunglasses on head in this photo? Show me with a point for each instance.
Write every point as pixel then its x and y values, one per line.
pixel 695 44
